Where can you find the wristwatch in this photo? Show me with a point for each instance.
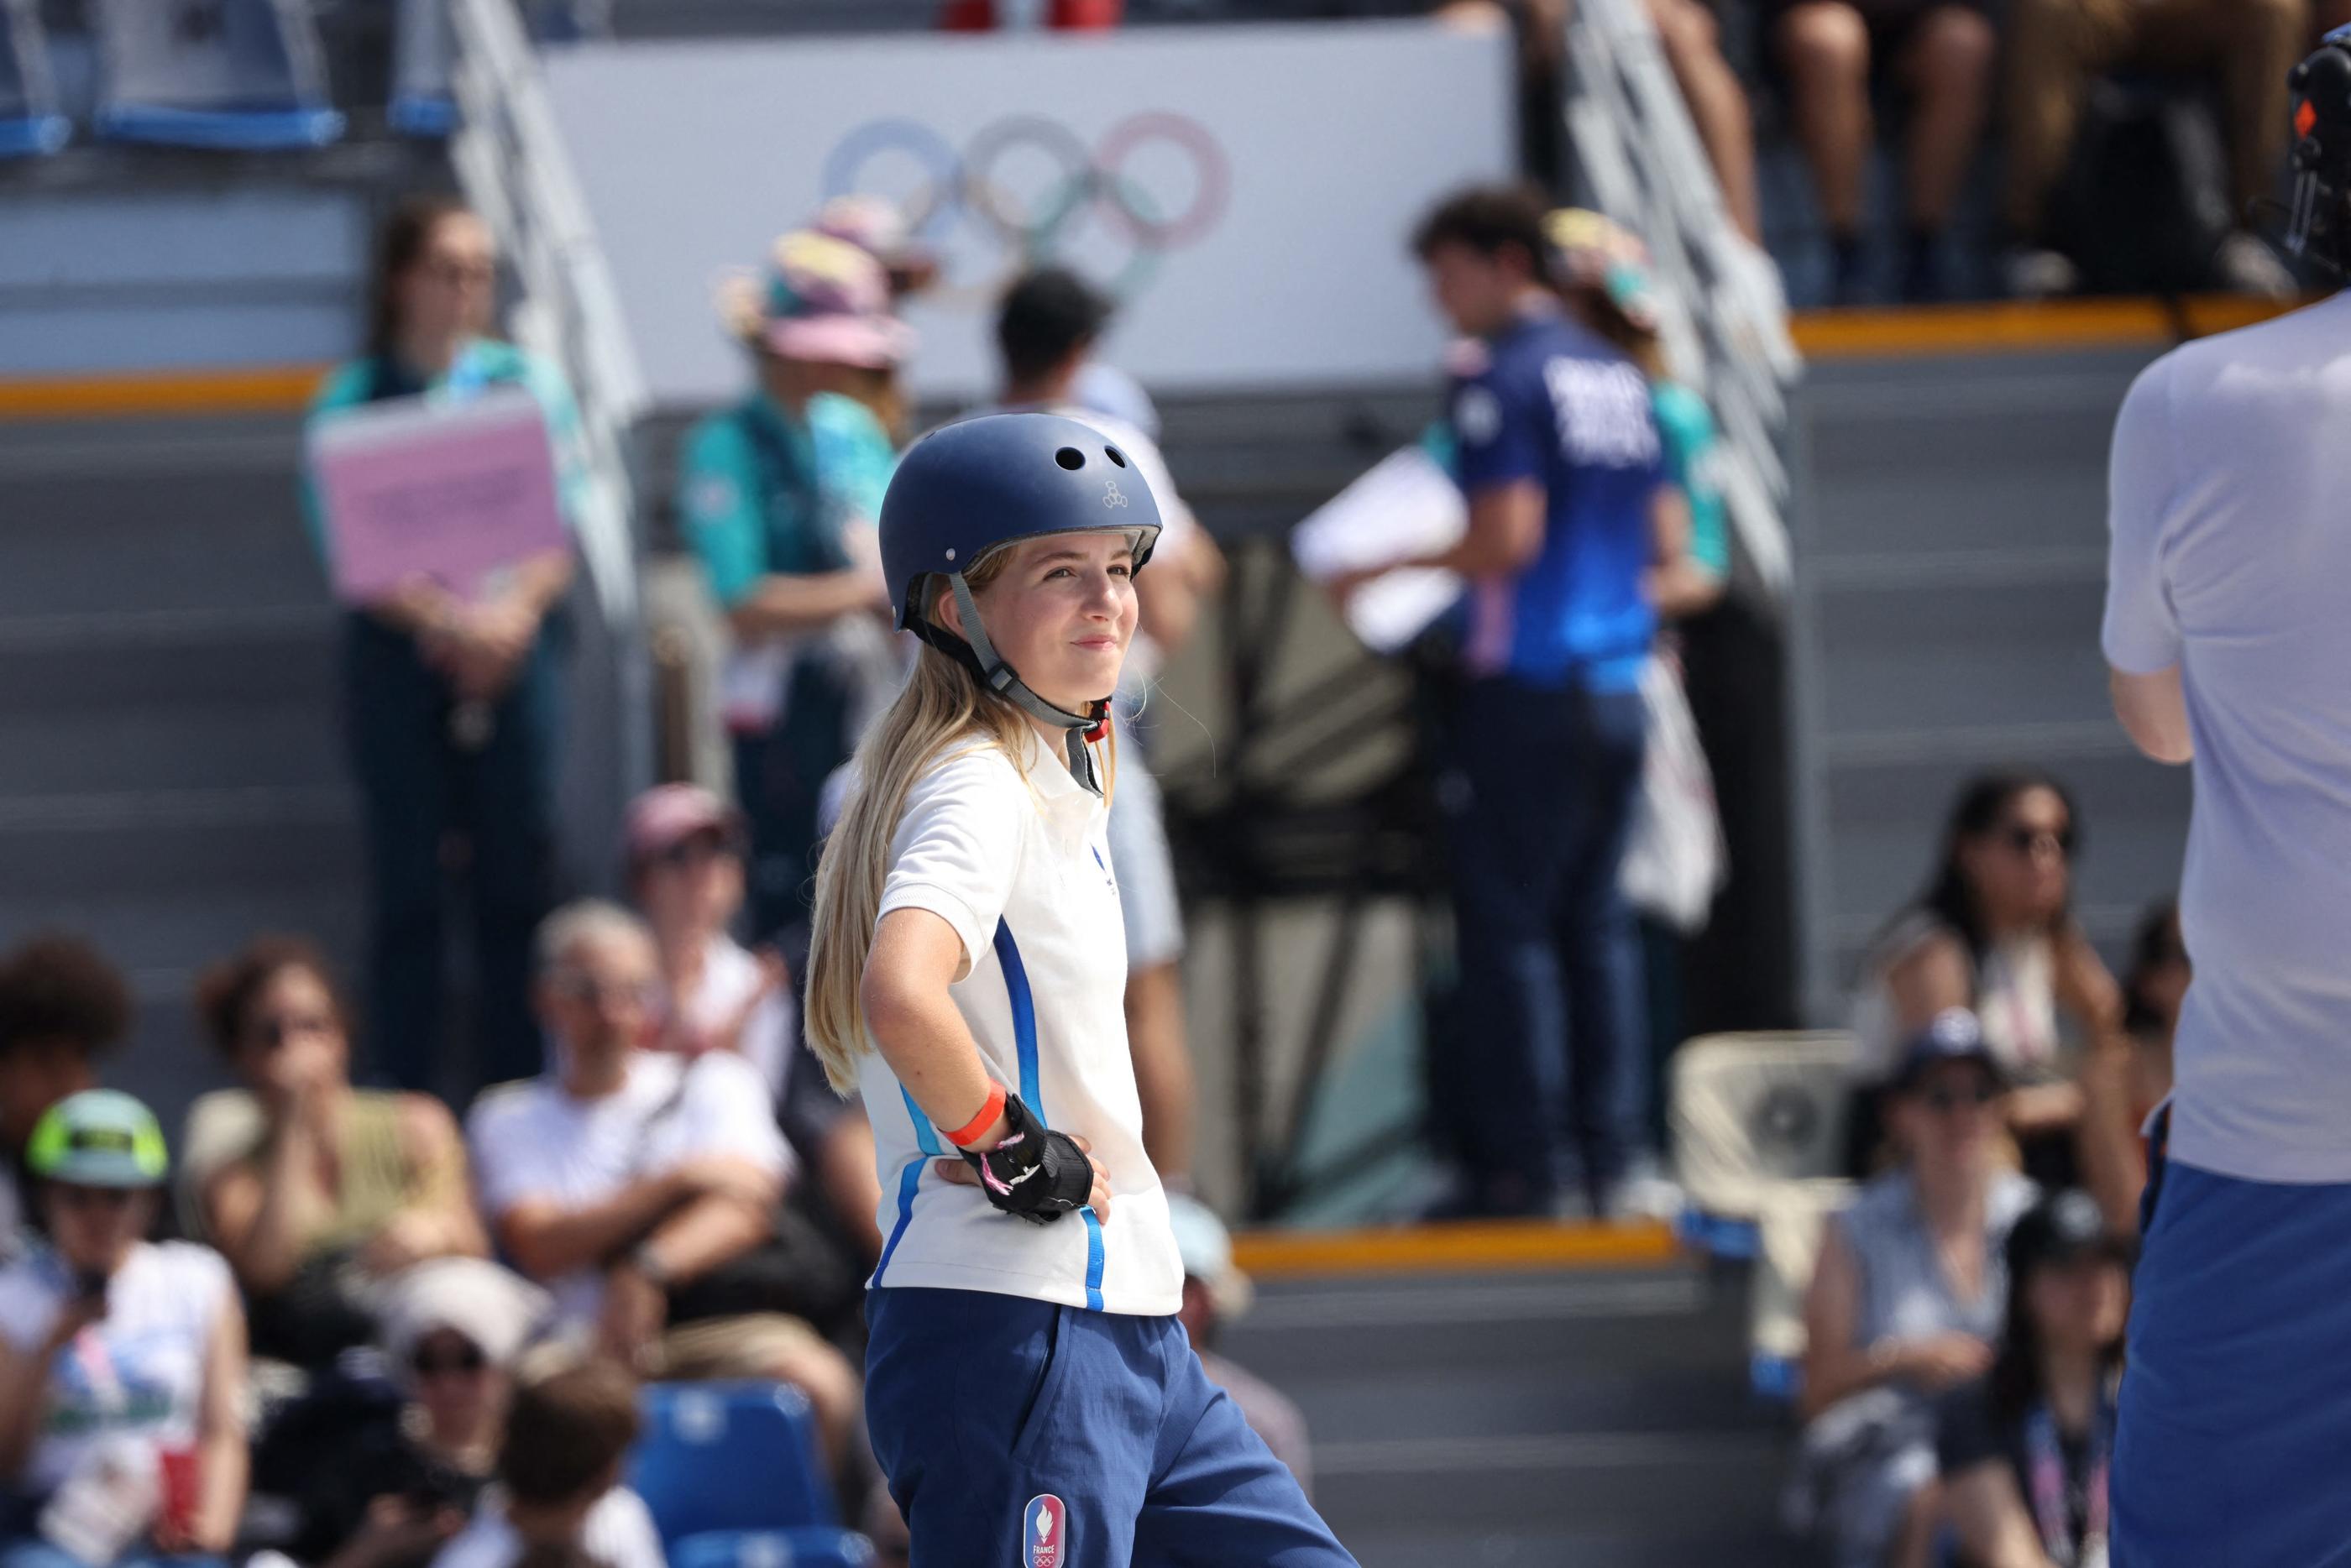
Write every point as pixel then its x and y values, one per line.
pixel 647 1261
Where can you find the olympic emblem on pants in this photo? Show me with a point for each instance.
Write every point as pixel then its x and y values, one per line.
pixel 1029 189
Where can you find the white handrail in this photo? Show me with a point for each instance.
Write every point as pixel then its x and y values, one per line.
pixel 1725 324
pixel 511 158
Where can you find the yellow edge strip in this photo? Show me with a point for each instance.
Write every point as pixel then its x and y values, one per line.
pixel 1939 329
pixel 248 390
pixel 1465 1247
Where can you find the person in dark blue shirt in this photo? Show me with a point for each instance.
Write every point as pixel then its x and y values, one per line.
pixel 1569 509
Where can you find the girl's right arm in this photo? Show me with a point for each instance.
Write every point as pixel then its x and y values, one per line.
pixel 923 1036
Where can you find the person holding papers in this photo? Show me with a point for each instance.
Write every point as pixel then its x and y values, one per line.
pixel 779 496
pixel 454 569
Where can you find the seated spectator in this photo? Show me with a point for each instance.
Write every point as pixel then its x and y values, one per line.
pixel 2025 1452
pixel 1906 1302
pixel 1994 933
pixel 337 1188
pixel 62 1006
pixel 122 1370
pixel 2122 1084
pixel 1216 1292
pixel 2057 48
pixel 390 1494
pixel 685 868
pixel 1938 53
pixel 628 1177
pixel 560 1502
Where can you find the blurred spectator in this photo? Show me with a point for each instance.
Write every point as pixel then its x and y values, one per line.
pixel 1836 54
pixel 1564 473
pixel 2057 48
pixel 2025 1453
pixel 1046 331
pixel 123 1369
pixel 1692 40
pixel 334 1189
pixel 628 1177
pixel 452 701
pixel 780 495
pixel 685 868
pixel 62 1006
pixel 2122 1083
pixel 1215 1294
pixel 1994 932
pixel 390 1494
pixel 560 1502
pixel 1907 1301
pixel 1028 16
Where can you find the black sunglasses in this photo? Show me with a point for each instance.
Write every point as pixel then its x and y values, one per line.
pixel 697 847
pixel 1943 1098
pixel 469 1359
pixel 2025 840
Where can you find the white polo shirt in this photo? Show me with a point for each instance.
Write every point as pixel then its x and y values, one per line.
pixel 1021 868
pixel 2231 558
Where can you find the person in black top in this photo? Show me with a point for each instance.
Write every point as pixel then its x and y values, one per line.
pixel 2025 1453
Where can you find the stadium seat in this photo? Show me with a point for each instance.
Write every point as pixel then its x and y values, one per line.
pixel 244 75
pixel 421 102
pixel 813 1548
pixel 29 121
pixel 1751 1112
pixel 729 1457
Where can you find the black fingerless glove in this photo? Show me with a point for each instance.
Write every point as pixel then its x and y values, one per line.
pixel 1036 1173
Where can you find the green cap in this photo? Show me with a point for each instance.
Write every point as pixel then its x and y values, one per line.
pixel 100 1137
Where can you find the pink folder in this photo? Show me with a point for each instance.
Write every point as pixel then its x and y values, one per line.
pixel 452 490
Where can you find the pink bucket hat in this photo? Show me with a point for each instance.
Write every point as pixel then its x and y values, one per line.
pixel 821 299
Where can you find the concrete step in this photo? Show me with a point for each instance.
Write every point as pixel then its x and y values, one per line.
pixel 1960 656
pixel 57 848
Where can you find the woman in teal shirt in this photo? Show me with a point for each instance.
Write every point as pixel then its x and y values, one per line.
pixel 779 497
pixel 452 701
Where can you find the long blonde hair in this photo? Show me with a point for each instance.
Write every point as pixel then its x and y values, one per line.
pixel 941 706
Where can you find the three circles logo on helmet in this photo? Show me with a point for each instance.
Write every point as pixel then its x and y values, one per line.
pixel 976 183
pixel 1111 495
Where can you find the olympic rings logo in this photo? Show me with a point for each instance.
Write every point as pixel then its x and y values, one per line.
pixel 1032 189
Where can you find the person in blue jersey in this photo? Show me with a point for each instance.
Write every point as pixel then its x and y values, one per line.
pixel 1030 1393
pixel 1568 509
pixel 452 702
pixel 778 497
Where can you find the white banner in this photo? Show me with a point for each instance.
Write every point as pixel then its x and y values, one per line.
pixel 1246 191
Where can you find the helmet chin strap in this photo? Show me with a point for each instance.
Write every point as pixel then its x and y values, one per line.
pixel 978 654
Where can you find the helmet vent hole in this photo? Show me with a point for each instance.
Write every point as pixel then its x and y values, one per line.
pixel 1069 457
pixel 1115 455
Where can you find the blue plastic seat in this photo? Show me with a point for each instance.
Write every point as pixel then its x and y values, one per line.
pixel 29 121
pixel 244 75
pixel 421 101
pixel 730 1457
pixel 810 1548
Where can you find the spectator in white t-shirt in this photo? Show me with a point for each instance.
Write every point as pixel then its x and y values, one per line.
pixel 122 1364
pixel 627 1175
pixel 1046 330
pixel 560 1502
pixel 685 853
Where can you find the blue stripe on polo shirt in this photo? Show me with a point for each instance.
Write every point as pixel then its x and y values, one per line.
pixel 1024 1034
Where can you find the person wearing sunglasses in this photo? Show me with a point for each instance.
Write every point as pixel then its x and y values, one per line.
pixel 633 1183
pixel 331 1188
pixel 687 852
pixel 122 1361
pixel 1994 932
pixel 397 1491
pixel 1908 1299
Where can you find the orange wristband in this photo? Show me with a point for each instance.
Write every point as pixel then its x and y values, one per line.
pixel 968 1134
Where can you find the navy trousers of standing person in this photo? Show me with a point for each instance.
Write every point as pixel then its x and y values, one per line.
pixel 419 784
pixel 1547 1072
pixel 1019 1434
pixel 780 773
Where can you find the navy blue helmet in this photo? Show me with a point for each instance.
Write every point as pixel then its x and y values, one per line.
pixel 2321 89
pixel 980 484
pixel 970 486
